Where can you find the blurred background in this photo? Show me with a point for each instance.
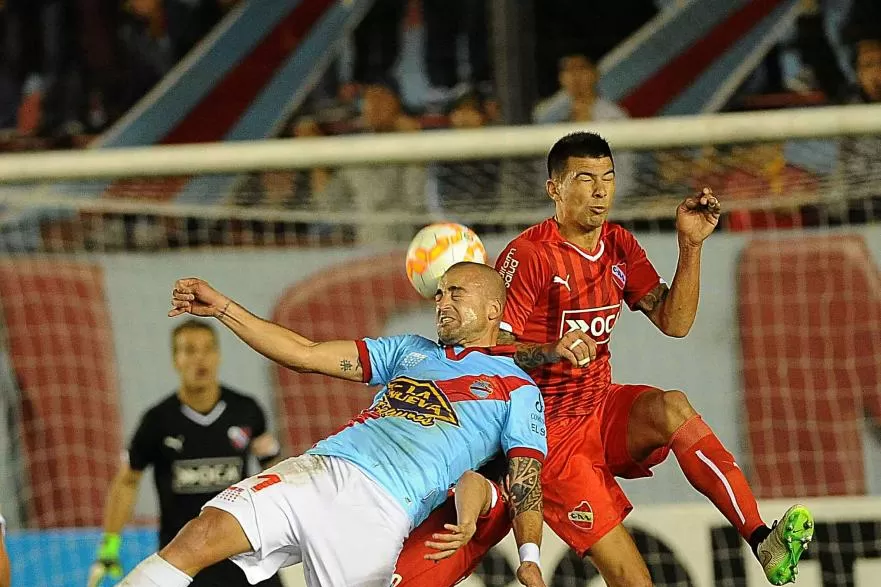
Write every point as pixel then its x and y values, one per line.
pixel 287 150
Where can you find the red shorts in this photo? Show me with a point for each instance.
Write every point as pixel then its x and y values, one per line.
pixel 413 570
pixel 582 499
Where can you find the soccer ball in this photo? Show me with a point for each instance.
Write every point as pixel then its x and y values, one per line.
pixel 436 248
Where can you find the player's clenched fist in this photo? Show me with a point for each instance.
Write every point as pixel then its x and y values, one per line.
pixel 577 348
pixel 697 217
pixel 194 296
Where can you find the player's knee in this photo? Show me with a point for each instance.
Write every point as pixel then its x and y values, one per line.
pixel 193 548
pixel 677 409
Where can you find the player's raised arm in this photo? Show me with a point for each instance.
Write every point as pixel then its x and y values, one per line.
pixel 673 309
pixel 337 358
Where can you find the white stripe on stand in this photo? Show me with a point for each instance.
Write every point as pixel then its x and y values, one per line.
pixel 727 485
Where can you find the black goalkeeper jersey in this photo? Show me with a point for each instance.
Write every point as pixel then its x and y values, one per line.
pixel 194 457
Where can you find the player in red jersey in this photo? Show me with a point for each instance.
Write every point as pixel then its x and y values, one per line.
pixel 571 274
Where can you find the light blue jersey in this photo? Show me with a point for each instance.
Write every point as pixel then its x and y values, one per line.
pixel 442 411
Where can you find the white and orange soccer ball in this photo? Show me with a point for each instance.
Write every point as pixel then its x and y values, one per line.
pixel 436 248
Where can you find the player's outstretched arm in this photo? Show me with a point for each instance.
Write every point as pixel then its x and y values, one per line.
pixel 338 358
pixel 575 346
pixel 673 309
pixel 473 499
pixel 523 487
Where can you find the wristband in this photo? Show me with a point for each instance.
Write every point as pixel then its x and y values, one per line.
pixel 529 553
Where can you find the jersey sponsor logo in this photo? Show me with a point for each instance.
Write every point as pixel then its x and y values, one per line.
pixel 619 274
pixel 421 402
pixel 563 282
pixel 509 267
pixel 582 516
pixel 175 443
pixel 205 475
pixel 481 388
pixel 597 322
pixel 239 437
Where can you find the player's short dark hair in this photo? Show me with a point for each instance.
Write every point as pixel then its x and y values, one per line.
pixel 191 324
pixel 576 144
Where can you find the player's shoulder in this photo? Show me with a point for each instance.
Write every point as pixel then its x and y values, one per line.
pixel 412 342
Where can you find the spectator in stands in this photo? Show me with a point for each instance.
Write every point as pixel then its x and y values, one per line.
pixel 147 48
pixel 578 100
pixel 5 574
pixel 390 188
pixel 377 41
pixel 40 55
pixel 471 187
pixel 445 22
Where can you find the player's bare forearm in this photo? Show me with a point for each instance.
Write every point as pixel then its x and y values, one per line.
pixel 523 485
pixel 529 355
pixel 473 498
pixel 673 309
pixel 121 500
pixel 290 349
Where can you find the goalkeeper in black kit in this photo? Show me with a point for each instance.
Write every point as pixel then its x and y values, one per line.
pixel 198 441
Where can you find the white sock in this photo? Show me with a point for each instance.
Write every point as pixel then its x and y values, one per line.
pixel 154 571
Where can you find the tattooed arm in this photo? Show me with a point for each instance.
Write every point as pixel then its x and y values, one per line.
pixel 523 487
pixel 530 355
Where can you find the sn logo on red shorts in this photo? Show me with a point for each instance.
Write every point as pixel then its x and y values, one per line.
pixel 582 516
pixel 597 322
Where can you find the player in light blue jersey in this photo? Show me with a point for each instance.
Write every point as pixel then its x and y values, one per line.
pixel 344 508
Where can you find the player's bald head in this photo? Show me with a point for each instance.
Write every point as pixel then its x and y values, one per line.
pixel 484 278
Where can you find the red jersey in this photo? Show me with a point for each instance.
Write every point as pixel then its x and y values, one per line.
pixel 555 286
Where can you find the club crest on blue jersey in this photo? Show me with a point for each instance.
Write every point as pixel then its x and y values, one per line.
pixel 481 388
pixel 421 402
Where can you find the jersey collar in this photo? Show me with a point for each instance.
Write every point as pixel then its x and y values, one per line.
pixel 597 252
pixel 457 353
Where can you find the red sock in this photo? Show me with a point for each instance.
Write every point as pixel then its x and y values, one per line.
pixel 711 470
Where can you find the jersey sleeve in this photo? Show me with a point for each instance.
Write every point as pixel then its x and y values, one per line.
pixel 522 269
pixel 144 446
pixel 380 356
pixel 524 434
pixel 641 274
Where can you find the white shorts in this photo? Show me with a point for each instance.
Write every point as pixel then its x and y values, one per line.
pixel 321 511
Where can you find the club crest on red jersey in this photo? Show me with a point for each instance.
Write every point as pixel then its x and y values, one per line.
pixel 619 274
pixel 582 516
pixel 239 437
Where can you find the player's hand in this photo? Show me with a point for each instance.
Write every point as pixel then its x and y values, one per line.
pixel 577 348
pixel 107 565
pixel 529 574
pixel 448 543
pixel 697 217
pixel 194 296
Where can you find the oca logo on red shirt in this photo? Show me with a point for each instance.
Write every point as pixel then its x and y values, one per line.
pixel 597 322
